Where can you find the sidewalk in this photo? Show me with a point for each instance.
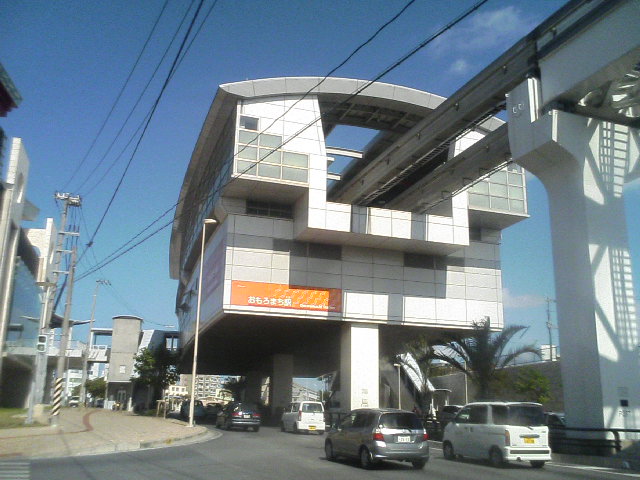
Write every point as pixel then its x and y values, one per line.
pixel 86 431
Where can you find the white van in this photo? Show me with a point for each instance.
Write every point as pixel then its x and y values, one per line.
pixel 305 416
pixel 500 431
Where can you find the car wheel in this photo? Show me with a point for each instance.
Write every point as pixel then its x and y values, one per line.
pixel 419 464
pixel 282 426
pixel 256 428
pixel 537 463
pixel 447 450
pixel 320 432
pixel 495 458
pixel 227 425
pixel 328 451
pixel 295 428
pixel 365 459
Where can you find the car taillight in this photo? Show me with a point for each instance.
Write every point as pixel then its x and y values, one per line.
pixel 507 438
pixel 377 435
pixel 257 415
pixel 425 437
pixel 299 416
pixel 235 414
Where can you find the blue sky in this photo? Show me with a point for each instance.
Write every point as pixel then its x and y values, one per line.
pixel 70 59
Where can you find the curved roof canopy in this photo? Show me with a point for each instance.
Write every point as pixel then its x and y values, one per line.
pixel 391 109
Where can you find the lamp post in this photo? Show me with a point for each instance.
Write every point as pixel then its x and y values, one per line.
pixel 85 359
pixel 397 365
pixel 196 334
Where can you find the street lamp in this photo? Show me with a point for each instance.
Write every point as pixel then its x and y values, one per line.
pixel 196 335
pixel 397 365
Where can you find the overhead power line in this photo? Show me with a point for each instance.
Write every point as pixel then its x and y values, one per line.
pixel 131 112
pixel 115 102
pixel 358 91
pixel 155 105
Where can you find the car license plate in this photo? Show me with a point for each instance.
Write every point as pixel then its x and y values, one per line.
pixel 404 439
pixel 529 440
pixel 246 415
pixel 312 427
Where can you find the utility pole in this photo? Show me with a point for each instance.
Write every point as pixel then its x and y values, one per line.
pixel 69 201
pixel 87 350
pixel 64 342
pixel 549 327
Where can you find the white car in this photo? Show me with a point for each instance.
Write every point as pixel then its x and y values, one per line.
pixel 499 431
pixel 305 416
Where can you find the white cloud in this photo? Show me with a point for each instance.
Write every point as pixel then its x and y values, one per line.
pixel 495 28
pixel 521 301
pixel 460 66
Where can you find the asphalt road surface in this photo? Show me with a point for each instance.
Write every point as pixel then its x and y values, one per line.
pixel 271 454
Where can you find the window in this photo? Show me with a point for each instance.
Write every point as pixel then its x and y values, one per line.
pixel 416 260
pixel 400 420
pixel 260 154
pixel 249 123
pixel 478 414
pixel 463 415
pixel 269 209
pixel 123 369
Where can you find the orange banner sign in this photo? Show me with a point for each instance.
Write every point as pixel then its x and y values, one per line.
pixel 258 294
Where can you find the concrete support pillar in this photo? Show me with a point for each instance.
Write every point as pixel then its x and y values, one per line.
pixel 253 388
pixel 359 366
pixel 583 164
pixel 281 382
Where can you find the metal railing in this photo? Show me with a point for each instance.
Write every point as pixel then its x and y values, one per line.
pixel 560 442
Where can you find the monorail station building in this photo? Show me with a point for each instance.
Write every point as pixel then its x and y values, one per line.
pixel 300 276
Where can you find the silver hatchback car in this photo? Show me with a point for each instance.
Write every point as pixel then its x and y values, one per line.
pixel 375 434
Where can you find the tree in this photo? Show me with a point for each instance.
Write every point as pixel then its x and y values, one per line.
pixel 533 386
pixel 96 387
pixel 236 386
pixel 480 354
pixel 156 369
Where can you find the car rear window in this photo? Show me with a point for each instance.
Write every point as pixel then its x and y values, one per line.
pixel 518 415
pixel 400 420
pixel 245 407
pixel 312 407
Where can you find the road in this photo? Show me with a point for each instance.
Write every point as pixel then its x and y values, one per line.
pixel 271 454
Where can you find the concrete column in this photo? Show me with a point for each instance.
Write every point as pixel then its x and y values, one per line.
pixel 281 382
pixel 359 366
pixel 583 164
pixel 253 388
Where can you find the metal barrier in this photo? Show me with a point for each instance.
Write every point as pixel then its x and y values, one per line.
pixel 561 443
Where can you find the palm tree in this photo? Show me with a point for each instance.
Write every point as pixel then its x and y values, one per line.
pixel 480 354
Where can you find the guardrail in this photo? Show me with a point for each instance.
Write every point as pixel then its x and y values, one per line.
pixel 561 443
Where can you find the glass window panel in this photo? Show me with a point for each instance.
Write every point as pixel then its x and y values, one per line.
pixel 250 123
pixel 480 187
pixel 499 203
pixel 245 168
pixel 269 171
pixel 295 159
pixel 478 200
pixel 515 179
pixel 498 190
pixel 498 177
pixel 516 192
pixel 517 205
pixel 514 167
pixel 248 153
pixel 247 137
pixel 270 140
pixel 295 174
pixel 270 156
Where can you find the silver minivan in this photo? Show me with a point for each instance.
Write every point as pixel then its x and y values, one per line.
pixel 500 431
pixel 375 434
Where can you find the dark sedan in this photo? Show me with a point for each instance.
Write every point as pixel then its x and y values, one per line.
pixel 239 414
